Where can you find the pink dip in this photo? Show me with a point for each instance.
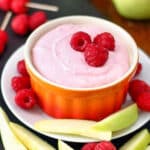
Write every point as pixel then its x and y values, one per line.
pixel 54 58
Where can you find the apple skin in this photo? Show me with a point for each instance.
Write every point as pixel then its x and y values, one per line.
pixel 29 139
pixel 10 141
pixel 119 120
pixel 63 146
pixel 138 141
pixel 133 9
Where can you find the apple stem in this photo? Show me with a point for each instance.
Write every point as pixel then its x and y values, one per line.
pixel 42 6
pixel 6 20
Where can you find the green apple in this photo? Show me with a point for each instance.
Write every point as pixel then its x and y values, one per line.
pixel 10 141
pixel 133 9
pixel 118 120
pixel 63 146
pixel 138 142
pixel 148 148
pixel 72 127
pixel 29 139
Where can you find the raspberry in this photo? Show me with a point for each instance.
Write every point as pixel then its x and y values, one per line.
pixel 3 36
pixel 106 40
pixel 95 55
pixel 2 46
pixel 137 87
pixel 3 40
pixel 20 82
pixel 80 40
pixel 22 68
pixel 139 69
pixel 25 98
pixel 105 145
pixel 19 6
pixel 143 101
pixel 5 5
pixel 20 25
pixel 36 19
pixel 89 146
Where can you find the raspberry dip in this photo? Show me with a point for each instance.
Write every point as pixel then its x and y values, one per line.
pixel 54 58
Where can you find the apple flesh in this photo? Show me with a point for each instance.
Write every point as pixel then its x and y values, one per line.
pixel 148 148
pixel 29 139
pixel 72 127
pixel 10 141
pixel 118 120
pixel 133 9
pixel 63 146
pixel 138 142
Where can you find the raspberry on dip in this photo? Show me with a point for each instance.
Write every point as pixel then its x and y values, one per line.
pixel 57 61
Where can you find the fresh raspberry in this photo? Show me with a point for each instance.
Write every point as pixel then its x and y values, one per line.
pixel 139 69
pixel 37 19
pixel 105 145
pixel 20 25
pixel 89 146
pixel 5 5
pixel 143 101
pixel 3 40
pixel 20 82
pixel 137 87
pixel 25 98
pixel 80 40
pixel 95 55
pixel 19 6
pixel 106 40
pixel 2 46
pixel 3 36
pixel 21 67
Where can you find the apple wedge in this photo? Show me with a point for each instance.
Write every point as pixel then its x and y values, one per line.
pixel 10 141
pixel 29 139
pixel 63 146
pixel 72 127
pixel 118 120
pixel 138 142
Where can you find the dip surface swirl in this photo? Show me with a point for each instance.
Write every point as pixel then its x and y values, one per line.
pixel 54 58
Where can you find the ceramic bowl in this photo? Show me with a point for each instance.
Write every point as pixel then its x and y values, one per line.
pixel 82 103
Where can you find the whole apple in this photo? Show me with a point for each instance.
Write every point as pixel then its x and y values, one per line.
pixel 133 9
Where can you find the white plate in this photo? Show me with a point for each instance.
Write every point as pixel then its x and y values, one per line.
pixel 31 116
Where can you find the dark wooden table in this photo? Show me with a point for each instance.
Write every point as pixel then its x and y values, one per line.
pixel 71 7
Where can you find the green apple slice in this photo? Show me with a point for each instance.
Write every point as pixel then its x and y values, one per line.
pixel 72 127
pixel 63 146
pixel 29 139
pixel 138 142
pixel 10 141
pixel 118 120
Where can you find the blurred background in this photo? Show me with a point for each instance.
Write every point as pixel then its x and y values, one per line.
pixel 136 24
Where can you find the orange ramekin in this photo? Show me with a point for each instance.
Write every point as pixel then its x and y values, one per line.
pixel 81 103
